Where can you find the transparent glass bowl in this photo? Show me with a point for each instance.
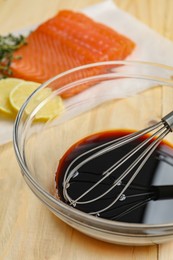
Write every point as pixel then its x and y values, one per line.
pixel 109 103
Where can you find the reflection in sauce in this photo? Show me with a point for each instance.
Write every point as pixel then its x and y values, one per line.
pixel 149 199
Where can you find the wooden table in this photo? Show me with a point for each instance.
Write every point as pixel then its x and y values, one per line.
pixel 27 229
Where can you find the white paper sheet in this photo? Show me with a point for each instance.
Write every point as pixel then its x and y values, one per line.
pixel 150 46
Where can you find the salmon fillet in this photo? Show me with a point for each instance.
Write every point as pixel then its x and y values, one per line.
pixel 68 40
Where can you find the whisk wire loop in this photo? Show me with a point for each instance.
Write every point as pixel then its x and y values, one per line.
pixel 116 166
pixel 114 145
pixel 159 131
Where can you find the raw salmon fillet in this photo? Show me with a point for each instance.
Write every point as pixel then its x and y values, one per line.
pixel 68 40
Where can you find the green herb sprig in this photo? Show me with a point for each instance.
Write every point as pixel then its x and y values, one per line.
pixel 8 44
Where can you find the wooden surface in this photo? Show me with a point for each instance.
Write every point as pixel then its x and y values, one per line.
pixel 27 229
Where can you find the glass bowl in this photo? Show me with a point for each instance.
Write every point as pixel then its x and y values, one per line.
pixel 113 97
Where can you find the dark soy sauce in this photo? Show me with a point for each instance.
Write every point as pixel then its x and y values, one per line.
pixel 149 198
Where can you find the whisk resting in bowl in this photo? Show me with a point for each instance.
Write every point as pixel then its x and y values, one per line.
pixel 143 151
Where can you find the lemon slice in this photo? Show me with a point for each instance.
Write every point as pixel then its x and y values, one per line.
pixel 6 86
pixel 50 110
pixel 23 90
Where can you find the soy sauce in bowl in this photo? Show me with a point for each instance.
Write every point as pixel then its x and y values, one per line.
pixel 149 198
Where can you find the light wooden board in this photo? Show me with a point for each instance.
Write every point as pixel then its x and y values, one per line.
pixel 27 229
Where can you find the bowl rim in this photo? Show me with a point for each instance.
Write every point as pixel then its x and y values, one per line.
pixel 50 198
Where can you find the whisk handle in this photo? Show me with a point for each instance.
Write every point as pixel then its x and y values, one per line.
pixel 168 119
pixel 163 192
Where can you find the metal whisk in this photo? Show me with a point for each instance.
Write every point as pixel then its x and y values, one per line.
pixel 148 145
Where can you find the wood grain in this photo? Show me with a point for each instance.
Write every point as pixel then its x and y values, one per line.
pixel 27 229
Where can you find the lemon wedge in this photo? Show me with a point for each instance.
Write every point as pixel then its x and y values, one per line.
pixel 22 91
pixel 6 86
